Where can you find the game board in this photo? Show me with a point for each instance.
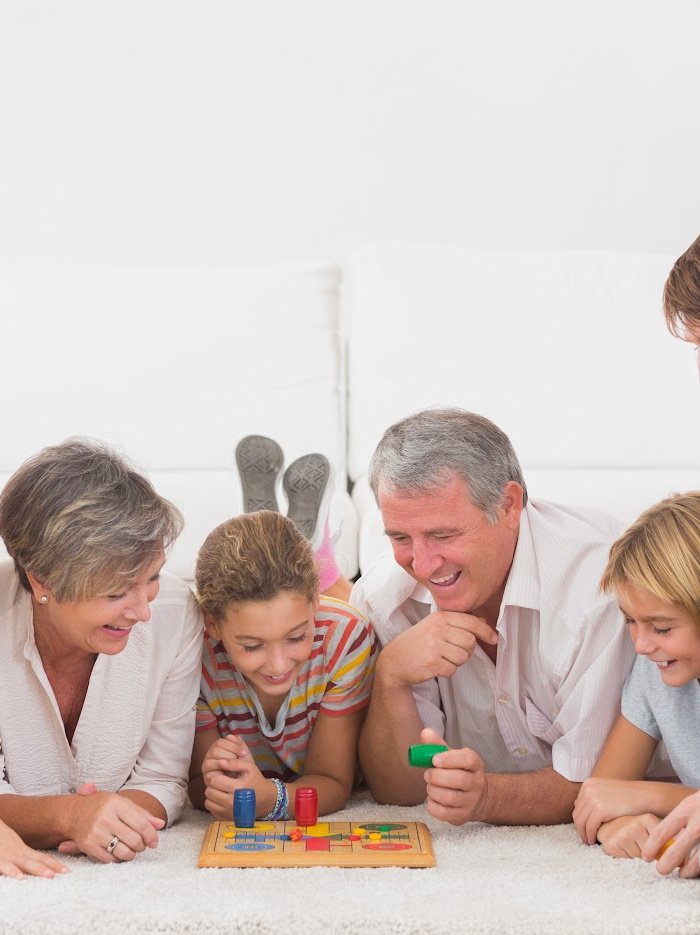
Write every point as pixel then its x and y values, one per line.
pixel 326 844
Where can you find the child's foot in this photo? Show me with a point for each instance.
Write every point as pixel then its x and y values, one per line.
pixel 307 484
pixel 259 461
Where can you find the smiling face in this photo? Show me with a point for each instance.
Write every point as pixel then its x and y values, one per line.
pixel 662 633
pixel 268 641
pixel 98 625
pixel 448 545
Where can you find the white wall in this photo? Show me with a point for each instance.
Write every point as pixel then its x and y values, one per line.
pixel 229 132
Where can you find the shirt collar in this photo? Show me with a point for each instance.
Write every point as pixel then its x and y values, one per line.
pixel 523 584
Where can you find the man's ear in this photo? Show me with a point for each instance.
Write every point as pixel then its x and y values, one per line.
pixel 512 504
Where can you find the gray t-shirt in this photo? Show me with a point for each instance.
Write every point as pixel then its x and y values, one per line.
pixel 666 713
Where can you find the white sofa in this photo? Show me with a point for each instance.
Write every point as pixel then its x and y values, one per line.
pixel 567 352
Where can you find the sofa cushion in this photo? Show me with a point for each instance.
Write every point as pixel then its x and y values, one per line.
pixel 174 366
pixel 567 352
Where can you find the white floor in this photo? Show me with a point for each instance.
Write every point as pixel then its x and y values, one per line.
pixel 487 880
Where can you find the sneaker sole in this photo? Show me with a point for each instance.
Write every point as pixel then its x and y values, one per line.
pixel 307 484
pixel 259 461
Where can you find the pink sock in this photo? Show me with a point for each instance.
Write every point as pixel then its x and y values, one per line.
pixel 328 571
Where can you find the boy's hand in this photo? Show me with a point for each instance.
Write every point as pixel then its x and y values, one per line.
pixel 602 800
pixel 625 837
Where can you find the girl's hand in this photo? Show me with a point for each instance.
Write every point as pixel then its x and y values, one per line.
pixel 18 860
pixel 603 800
pixel 223 756
pixel 228 766
pixel 683 825
pixel 625 837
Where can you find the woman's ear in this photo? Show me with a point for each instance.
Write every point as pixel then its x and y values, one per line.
pixel 40 592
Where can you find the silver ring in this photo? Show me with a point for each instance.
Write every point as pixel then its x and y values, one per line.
pixel 112 844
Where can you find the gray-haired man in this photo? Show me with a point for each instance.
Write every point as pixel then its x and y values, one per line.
pixel 495 636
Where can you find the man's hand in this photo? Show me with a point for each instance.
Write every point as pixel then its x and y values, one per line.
pixel 456 784
pixel 626 837
pixel 437 645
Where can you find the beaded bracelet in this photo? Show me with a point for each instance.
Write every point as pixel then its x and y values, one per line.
pixel 279 810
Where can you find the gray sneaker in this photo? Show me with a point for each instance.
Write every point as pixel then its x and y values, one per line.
pixel 259 460
pixel 308 485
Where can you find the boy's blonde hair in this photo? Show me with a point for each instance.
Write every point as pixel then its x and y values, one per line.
pixel 252 558
pixel 660 553
pixel 682 292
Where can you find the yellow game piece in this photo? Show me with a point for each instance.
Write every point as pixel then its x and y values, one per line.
pixel 664 847
pixel 375 835
pixel 359 831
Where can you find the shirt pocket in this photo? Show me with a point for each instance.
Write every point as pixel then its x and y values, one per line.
pixel 539 724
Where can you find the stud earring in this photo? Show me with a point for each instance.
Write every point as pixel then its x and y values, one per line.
pixel 43 599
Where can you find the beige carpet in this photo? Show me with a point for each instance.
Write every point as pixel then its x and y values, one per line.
pixel 487 880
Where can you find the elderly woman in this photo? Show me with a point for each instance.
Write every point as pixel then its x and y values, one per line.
pixel 100 656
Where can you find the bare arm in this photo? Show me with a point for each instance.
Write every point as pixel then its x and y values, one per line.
pixel 203 740
pixel 330 761
pixel 543 797
pixel 617 788
pixel 391 726
pixel 460 790
pixel 84 822
pixel 436 646
pixel 222 765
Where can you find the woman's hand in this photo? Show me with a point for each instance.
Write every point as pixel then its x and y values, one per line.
pixel 97 818
pixel 228 765
pixel 625 837
pixel 18 860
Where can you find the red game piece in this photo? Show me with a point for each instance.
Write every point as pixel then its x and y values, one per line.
pixel 296 834
pixel 306 806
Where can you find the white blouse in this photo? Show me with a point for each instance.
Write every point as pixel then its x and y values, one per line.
pixel 137 723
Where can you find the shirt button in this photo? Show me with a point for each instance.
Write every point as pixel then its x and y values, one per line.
pixel 502 699
pixel 521 751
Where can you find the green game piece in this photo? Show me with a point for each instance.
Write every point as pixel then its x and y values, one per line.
pixel 421 754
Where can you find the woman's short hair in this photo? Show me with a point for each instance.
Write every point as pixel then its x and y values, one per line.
pixel 660 553
pixel 83 521
pixel 420 453
pixel 682 292
pixel 253 557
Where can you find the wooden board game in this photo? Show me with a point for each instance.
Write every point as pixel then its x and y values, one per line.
pixel 326 844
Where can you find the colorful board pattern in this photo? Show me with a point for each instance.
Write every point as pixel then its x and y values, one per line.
pixel 327 844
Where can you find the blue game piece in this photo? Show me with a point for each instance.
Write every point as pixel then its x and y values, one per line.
pixel 244 808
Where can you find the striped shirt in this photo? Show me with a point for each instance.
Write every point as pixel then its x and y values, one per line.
pixel 563 651
pixel 336 679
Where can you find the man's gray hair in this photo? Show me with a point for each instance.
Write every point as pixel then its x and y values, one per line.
pixel 422 452
pixel 81 519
